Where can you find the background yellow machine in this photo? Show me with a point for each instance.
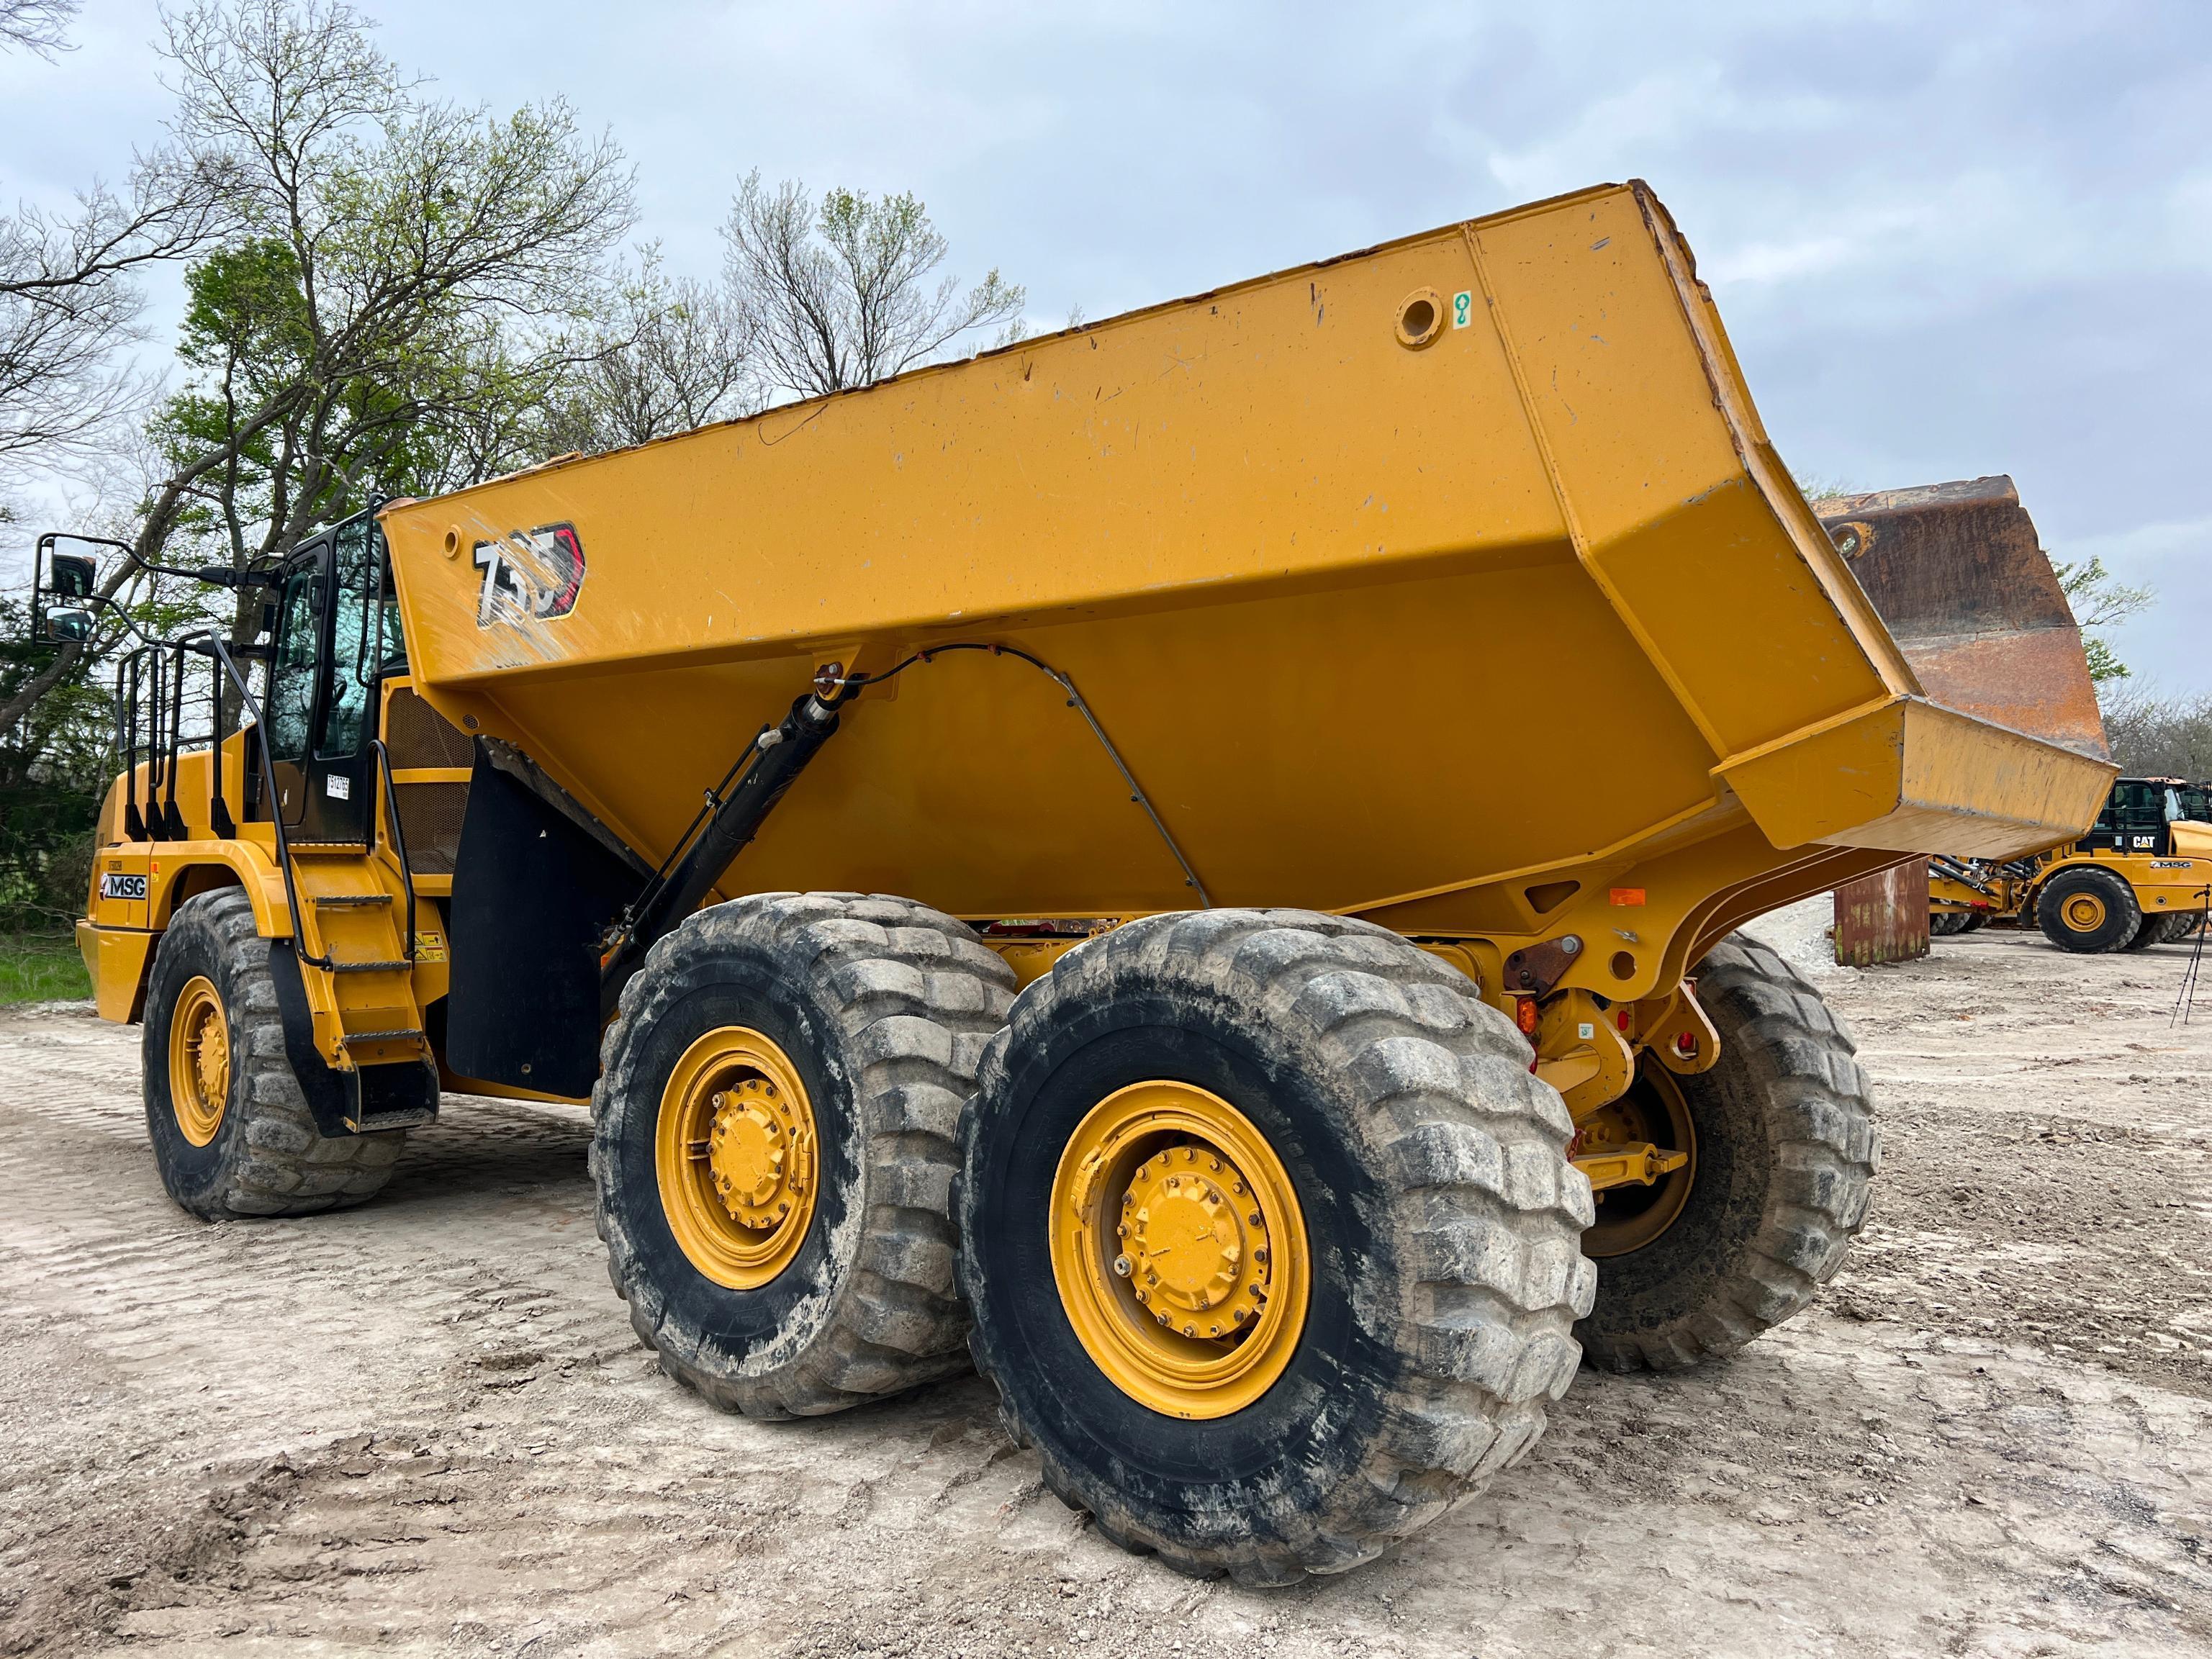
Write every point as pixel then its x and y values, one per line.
pixel 2142 876
pixel 1354 709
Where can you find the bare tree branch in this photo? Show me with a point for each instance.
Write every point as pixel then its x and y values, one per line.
pixel 37 26
pixel 839 294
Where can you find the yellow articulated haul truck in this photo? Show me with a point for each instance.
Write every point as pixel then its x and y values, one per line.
pixel 1196 858
pixel 2142 876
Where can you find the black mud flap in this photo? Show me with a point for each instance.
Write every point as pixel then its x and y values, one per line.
pixel 361 1101
pixel 532 892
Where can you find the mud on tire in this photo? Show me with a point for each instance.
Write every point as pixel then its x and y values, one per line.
pixel 883 1006
pixel 1442 1215
pixel 1786 1153
pixel 267 1157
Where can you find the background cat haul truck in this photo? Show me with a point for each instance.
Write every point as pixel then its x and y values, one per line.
pixel 1322 736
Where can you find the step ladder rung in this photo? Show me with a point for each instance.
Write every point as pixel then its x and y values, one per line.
pixel 351 1037
pixel 368 967
pixel 350 898
pixel 376 1122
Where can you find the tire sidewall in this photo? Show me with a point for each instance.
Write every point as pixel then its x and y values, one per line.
pixel 197 1177
pixel 1294 1446
pixel 750 1331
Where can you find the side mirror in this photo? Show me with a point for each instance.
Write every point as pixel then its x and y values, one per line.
pixel 70 577
pixel 269 620
pixel 69 627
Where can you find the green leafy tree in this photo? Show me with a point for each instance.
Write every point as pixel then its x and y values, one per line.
pixel 395 281
pixel 2099 601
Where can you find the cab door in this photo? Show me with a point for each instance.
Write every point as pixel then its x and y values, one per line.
pixel 295 679
pixel 334 628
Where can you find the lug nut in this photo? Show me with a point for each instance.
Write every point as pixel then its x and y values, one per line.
pixel 1121 1266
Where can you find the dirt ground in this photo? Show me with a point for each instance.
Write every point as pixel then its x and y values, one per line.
pixel 424 1426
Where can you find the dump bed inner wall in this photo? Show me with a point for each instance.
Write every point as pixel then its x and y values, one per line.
pixel 1369 622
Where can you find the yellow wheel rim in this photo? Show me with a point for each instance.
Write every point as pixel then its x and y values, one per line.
pixel 1653 1110
pixel 2082 913
pixel 735 1152
pixel 1179 1250
pixel 199 1060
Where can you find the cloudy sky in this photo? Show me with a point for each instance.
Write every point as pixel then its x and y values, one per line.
pixel 1949 239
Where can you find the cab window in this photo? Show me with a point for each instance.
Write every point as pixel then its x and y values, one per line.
pixel 299 651
pixel 364 637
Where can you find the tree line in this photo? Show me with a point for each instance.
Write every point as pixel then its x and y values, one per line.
pixel 387 293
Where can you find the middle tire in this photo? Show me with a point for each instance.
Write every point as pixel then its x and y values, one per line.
pixel 1340 1289
pixel 773 1145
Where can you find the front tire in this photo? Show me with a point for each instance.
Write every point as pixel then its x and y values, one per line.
pixel 2091 912
pixel 774 1146
pixel 1785 1152
pixel 230 1127
pixel 1408 1186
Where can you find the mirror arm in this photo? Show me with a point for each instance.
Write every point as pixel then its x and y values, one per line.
pixel 215 576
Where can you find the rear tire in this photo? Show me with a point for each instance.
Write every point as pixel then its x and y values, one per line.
pixel 2089 912
pixel 1785 1153
pixel 1439 1255
pixel 231 1131
pixel 881 1008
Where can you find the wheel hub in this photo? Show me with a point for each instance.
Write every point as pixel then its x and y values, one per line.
pixel 199 1060
pixel 735 1154
pixel 752 1150
pixel 1196 1241
pixel 1179 1250
pixel 2084 911
pixel 1653 1119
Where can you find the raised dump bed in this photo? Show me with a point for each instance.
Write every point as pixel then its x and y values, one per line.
pixel 1449 585
pixel 1353 708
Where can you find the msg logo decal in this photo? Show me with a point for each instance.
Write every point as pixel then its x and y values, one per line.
pixel 535 572
pixel 123 887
